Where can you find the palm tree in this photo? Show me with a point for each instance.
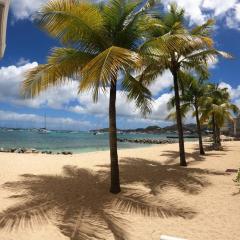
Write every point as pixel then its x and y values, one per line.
pixel 193 92
pixel 175 47
pixel 100 42
pixel 217 108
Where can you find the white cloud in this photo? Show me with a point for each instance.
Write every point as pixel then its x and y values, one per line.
pixel 66 98
pixel 32 120
pixel 23 9
pixel 233 18
pixel 199 10
pixel 10 81
pixel 192 8
pixel 87 106
pixel 162 82
pixel 196 10
pixel 22 61
pixel 234 92
pixel 219 7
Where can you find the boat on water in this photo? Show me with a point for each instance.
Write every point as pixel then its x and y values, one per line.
pixel 98 133
pixel 44 129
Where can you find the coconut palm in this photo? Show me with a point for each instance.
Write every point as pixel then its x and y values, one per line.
pixel 100 42
pixel 175 47
pixel 217 108
pixel 192 97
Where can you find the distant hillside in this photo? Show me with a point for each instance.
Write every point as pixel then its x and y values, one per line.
pixel 153 129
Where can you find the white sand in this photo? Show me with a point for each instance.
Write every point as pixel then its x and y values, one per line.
pixel 200 202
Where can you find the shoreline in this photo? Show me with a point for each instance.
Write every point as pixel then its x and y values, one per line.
pixel 138 144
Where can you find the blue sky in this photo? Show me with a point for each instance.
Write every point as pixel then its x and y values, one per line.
pixel 27 46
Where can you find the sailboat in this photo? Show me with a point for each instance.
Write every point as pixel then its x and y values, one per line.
pixel 44 130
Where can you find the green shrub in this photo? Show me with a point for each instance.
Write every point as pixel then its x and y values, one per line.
pixel 238 177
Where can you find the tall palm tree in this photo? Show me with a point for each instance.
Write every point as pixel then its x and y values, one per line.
pixel 100 41
pixel 193 93
pixel 176 47
pixel 217 108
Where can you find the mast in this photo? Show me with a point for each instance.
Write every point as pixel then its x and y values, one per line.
pixel 45 121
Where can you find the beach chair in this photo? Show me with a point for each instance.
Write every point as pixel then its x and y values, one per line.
pixel 165 237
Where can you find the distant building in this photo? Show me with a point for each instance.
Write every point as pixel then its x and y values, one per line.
pixel 232 127
pixel 4 7
pixel 236 130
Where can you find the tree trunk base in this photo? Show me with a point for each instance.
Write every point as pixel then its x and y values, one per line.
pixel 202 152
pixel 115 190
pixel 183 164
pixel 217 147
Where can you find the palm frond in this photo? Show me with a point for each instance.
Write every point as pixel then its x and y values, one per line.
pixel 105 66
pixel 63 65
pixel 73 21
pixel 204 29
pixel 138 92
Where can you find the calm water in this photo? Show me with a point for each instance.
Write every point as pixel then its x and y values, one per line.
pixel 65 141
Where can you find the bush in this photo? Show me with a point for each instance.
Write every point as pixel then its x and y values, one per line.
pixel 238 177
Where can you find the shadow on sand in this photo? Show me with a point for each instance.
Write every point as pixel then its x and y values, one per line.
pixel 79 204
pixel 173 156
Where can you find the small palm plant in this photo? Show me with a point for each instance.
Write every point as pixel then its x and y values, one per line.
pixel 175 47
pixel 216 109
pixel 100 42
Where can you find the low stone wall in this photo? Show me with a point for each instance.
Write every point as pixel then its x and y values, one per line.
pixel 30 150
pixel 147 141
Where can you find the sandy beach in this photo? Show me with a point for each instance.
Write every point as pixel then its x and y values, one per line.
pixel 158 197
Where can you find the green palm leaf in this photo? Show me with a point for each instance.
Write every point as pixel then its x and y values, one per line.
pixel 73 21
pixel 100 71
pixel 138 92
pixel 63 65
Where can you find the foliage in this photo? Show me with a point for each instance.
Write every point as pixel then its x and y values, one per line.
pixel 237 179
pixel 217 102
pixel 193 92
pixel 100 41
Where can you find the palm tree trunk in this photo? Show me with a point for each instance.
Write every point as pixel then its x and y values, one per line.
pixel 201 149
pixel 214 130
pixel 115 181
pixel 216 134
pixel 179 120
pixel 218 137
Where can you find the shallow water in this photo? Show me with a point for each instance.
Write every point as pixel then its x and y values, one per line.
pixel 66 141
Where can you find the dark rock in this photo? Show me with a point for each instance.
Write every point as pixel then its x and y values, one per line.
pixel 67 153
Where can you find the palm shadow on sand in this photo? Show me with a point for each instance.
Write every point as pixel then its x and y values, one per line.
pixel 79 204
pixel 193 157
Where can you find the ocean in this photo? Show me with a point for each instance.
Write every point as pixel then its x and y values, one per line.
pixel 58 141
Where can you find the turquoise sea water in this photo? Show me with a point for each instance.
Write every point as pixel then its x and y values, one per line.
pixel 57 141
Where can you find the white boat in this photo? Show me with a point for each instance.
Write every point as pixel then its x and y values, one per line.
pixel 44 130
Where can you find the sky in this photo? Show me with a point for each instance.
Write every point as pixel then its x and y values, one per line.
pixel 28 46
